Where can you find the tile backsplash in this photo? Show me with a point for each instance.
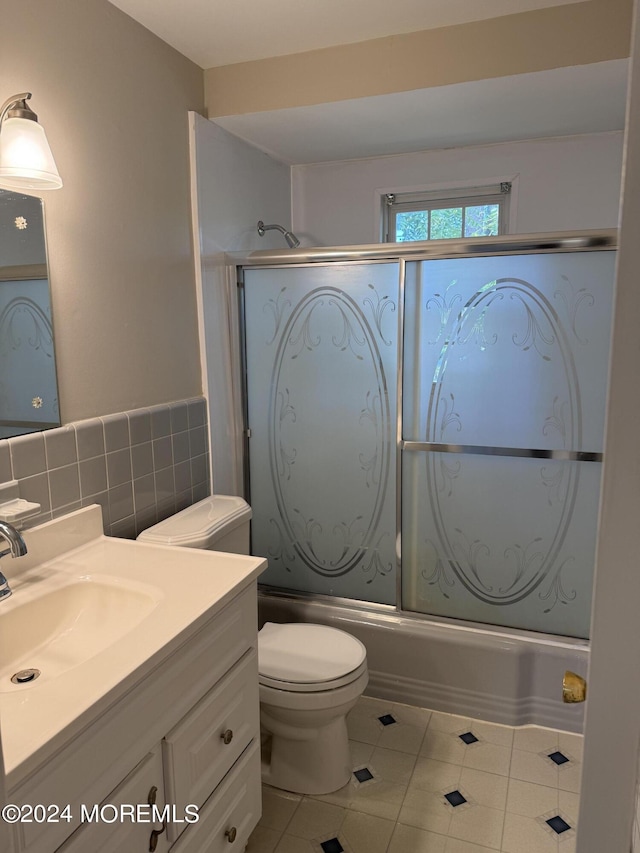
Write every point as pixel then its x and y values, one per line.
pixel 140 466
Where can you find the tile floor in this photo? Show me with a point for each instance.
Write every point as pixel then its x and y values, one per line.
pixel 427 782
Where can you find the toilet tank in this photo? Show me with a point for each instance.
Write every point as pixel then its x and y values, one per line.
pixel 217 523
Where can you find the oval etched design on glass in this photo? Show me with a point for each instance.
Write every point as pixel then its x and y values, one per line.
pixel 508 337
pixel 328 352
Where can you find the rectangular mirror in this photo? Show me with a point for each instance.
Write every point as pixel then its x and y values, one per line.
pixel 28 385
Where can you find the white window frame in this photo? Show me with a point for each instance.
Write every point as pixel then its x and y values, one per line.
pixel 394 203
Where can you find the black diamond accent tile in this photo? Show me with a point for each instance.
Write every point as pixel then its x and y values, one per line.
pixel 468 738
pixel 558 825
pixel 387 719
pixel 455 798
pixel 332 846
pixel 558 758
pixel 363 775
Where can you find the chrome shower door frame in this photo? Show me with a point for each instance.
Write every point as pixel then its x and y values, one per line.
pixel 545 243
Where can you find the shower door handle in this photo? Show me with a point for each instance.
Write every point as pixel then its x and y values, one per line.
pixel 574 687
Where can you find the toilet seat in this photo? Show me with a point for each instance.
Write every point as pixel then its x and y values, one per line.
pixel 308 658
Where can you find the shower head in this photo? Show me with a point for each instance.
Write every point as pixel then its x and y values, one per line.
pixel 289 236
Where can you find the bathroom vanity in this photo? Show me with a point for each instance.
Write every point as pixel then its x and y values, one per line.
pixel 154 701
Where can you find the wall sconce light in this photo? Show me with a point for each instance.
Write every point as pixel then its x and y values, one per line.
pixel 26 161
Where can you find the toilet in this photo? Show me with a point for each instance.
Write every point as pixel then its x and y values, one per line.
pixel 310 675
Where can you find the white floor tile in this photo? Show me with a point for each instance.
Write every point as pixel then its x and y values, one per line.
pixel 410 839
pixel 360 752
pixel 535 739
pixel 571 743
pixel 442 722
pixel 489 732
pixel 426 810
pixel 365 833
pixel 293 844
pixel 570 776
pixel 314 819
pixel 492 732
pixel 391 765
pixel 478 824
pixel 403 737
pixel 455 845
pixel 382 799
pixel 525 835
pixel 378 707
pixel 411 715
pixel 531 767
pixel 490 757
pixel 530 800
pixel 507 779
pixel 383 795
pixel 363 727
pixel 278 807
pixel 263 840
pixel 569 804
pixel 435 776
pixel 485 789
pixel 442 746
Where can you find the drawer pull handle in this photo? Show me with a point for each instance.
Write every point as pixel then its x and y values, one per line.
pixel 153 839
pixel 230 834
pixel 151 799
pixel 227 736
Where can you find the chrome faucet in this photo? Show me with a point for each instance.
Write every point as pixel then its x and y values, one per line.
pixel 17 548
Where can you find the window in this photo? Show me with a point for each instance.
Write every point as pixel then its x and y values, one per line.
pixel 469 212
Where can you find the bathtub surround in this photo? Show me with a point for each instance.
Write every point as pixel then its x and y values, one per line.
pixel 569 181
pixel 510 678
pixel 140 466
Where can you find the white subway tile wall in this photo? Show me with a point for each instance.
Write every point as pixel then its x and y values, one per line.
pixel 140 466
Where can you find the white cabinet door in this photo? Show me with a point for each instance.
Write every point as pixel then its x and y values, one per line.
pixel 205 745
pixel 119 836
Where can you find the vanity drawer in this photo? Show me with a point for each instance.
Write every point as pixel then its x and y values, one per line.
pixel 202 748
pixel 235 805
pixel 107 837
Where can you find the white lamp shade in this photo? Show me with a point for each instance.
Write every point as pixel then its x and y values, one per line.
pixel 26 161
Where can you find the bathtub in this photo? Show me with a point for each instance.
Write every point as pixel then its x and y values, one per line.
pixel 498 675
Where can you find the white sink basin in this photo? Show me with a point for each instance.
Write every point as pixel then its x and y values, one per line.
pixel 95 615
pixel 63 627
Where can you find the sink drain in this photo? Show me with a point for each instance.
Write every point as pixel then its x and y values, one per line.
pixel 25 676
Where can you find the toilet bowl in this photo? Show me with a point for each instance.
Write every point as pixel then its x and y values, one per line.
pixel 310 675
pixel 310 678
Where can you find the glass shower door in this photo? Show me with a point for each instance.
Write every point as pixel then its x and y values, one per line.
pixel 322 362
pixel 505 377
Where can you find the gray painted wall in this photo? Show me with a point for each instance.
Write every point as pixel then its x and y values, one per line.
pixel 113 99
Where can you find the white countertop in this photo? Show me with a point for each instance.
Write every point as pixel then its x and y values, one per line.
pixel 174 592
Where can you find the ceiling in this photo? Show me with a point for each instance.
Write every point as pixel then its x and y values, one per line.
pixel 223 32
pixel 558 102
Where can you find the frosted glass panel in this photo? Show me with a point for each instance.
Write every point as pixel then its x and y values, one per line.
pixel 505 355
pixel 509 351
pixel 321 371
pixel 499 540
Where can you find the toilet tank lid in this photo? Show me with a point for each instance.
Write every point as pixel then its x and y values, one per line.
pixel 304 653
pixel 200 525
